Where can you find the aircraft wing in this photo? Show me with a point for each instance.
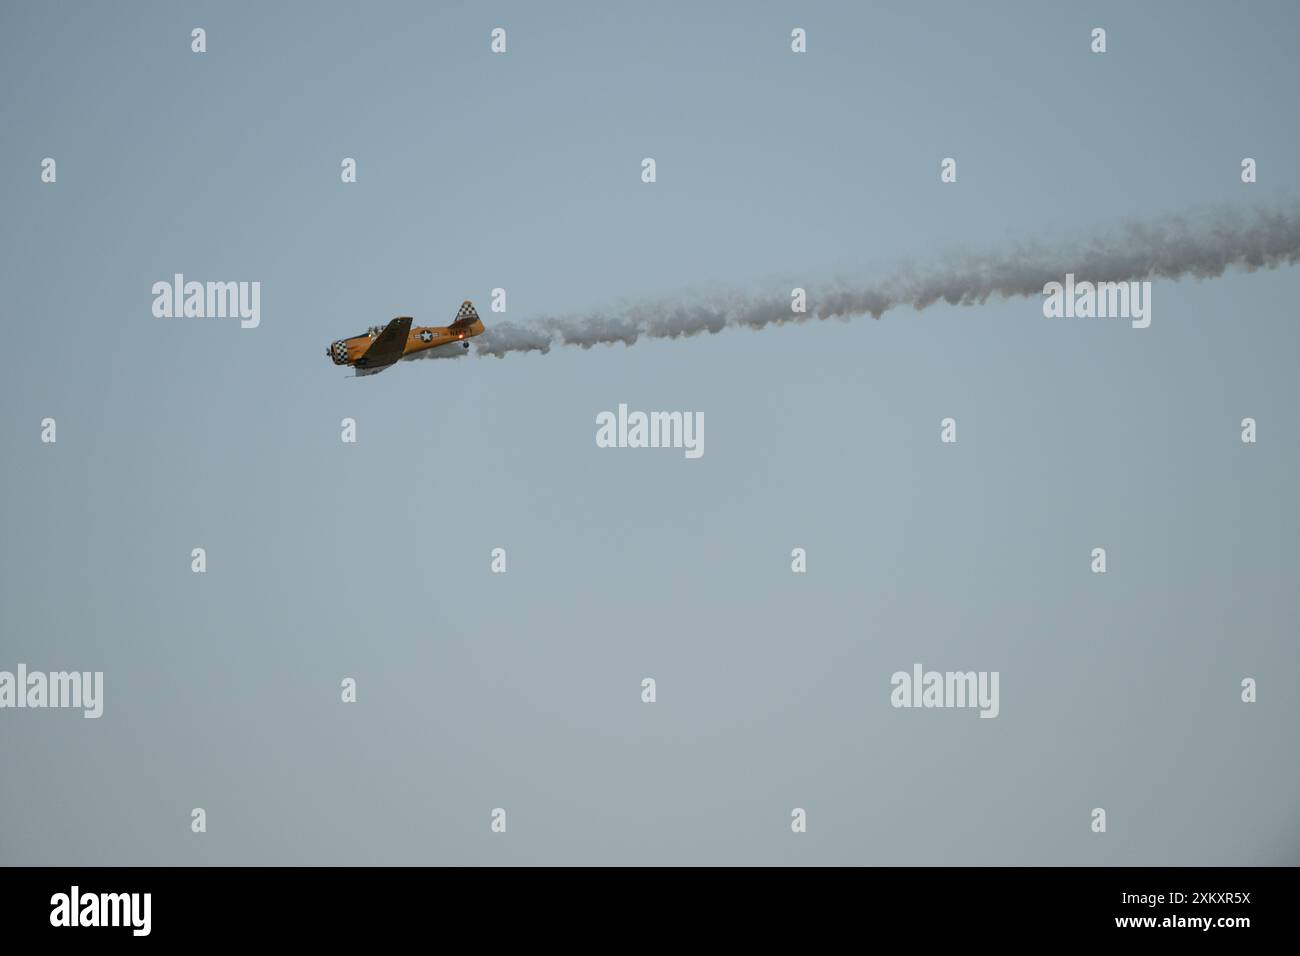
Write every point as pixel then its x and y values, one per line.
pixel 387 347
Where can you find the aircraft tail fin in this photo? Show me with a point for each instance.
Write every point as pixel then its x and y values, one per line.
pixel 465 315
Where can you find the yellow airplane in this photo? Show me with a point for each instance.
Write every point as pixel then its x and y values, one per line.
pixel 384 345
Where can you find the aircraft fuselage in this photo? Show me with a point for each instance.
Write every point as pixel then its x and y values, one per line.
pixel 356 351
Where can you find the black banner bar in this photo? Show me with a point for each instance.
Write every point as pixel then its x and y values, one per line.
pixel 379 904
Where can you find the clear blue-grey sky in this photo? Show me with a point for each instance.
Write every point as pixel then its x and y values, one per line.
pixel 522 690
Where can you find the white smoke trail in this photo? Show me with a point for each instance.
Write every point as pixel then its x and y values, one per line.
pixel 1178 247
